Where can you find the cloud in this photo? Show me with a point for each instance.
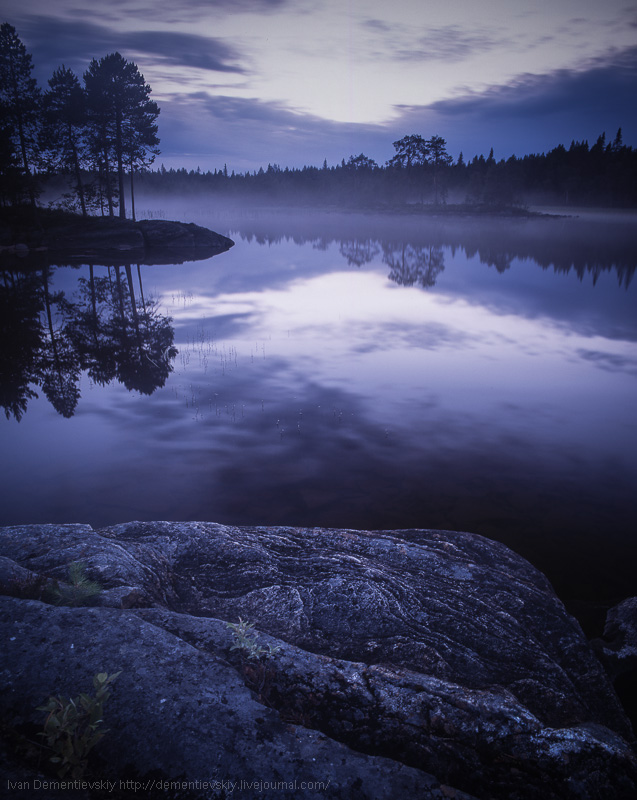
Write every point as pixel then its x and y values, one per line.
pixel 447 43
pixel 604 84
pixel 377 25
pixel 154 10
pixel 180 11
pixel 184 49
pixel 187 7
pixel 612 362
pixel 76 42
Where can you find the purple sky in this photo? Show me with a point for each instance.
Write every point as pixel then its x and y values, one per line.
pixel 251 82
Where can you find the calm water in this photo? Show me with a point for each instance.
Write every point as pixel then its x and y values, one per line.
pixel 343 370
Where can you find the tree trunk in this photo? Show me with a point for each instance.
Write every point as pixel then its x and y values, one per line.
pixel 107 181
pixel 78 174
pixel 132 192
pixel 141 286
pixel 120 166
pixel 133 301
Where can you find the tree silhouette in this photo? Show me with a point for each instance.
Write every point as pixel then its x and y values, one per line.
pixel 66 127
pixel 411 151
pixel 439 159
pixel 20 101
pixel 47 339
pixel 142 339
pixel 21 337
pixel 90 330
pixel 411 265
pixel 123 119
pixel 358 253
pixel 361 162
pixel 59 361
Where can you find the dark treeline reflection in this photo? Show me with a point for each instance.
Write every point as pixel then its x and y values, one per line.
pixel 412 246
pixel 409 265
pixel 106 328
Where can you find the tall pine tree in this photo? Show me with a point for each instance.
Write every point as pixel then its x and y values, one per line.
pixel 123 118
pixel 66 127
pixel 20 103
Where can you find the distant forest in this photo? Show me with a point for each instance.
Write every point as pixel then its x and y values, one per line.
pixel 421 171
pixel 90 147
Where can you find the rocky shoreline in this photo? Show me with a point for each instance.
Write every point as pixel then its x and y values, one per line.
pixel 65 238
pixel 415 663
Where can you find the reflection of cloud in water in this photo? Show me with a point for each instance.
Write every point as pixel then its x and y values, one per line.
pixel 421 371
pixel 427 336
pixel 268 444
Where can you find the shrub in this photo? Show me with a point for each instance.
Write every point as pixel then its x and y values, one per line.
pixel 72 726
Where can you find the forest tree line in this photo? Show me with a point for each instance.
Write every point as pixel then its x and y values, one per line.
pixel 85 143
pixel 421 171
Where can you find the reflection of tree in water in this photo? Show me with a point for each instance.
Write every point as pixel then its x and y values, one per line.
pixel 59 361
pixel 142 340
pixel 492 257
pixel 359 252
pixel 588 248
pixel 411 265
pixel 21 335
pixel 48 340
pixel 89 327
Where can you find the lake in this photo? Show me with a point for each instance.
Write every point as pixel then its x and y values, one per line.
pixel 345 370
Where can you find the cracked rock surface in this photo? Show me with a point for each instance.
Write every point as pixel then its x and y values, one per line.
pixel 409 663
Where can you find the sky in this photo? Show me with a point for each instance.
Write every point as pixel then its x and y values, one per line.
pixel 247 83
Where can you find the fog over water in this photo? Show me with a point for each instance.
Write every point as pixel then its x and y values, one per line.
pixel 369 372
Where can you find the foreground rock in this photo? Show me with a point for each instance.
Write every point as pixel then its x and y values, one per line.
pixel 421 664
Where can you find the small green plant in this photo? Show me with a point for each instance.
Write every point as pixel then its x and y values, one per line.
pixel 72 726
pixel 78 591
pixel 245 640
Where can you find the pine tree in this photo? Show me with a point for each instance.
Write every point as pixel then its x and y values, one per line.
pixel 123 119
pixel 66 126
pixel 20 101
pixel 410 151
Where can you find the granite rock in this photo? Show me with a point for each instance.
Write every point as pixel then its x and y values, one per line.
pixel 419 663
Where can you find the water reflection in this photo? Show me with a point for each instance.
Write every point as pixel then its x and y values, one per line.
pixel 344 372
pixel 49 337
pixel 586 245
pixel 414 265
